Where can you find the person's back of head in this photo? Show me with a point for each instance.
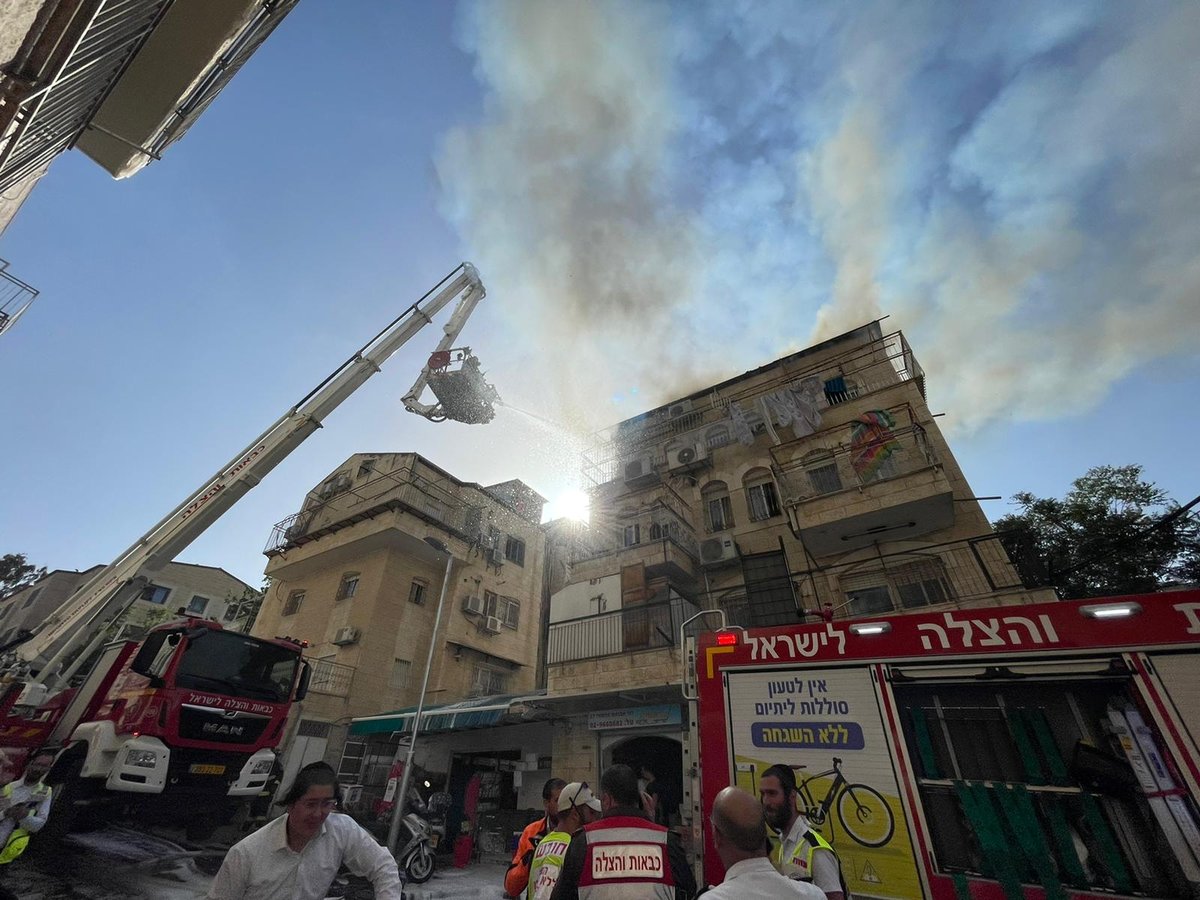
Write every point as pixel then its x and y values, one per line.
pixel 740 831
pixel 619 787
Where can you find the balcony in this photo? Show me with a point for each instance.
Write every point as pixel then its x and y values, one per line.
pixel 346 504
pixel 65 78
pixel 330 678
pixel 15 297
pixel 884 482
pixel 656 536
pixel 649 626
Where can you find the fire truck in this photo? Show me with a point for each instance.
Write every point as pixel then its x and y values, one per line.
pixel 183 724
pixel 1043 750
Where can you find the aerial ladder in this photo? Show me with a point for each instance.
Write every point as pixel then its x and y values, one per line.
pixel 47 659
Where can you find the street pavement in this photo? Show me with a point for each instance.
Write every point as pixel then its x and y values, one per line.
pixel 118 864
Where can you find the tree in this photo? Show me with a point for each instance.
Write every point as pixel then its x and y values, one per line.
pixel 16 572
pixel 1113 533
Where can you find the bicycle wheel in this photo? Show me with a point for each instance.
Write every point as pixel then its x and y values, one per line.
pixel 865 815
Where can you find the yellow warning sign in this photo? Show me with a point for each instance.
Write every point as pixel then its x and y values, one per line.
pixel 869 874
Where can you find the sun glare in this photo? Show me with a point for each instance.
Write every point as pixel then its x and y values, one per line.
pixel 572 504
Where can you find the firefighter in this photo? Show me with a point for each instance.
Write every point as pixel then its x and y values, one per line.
pixel 624 855
pixel 26 806
pixel 801 854
pixel 516 879
pixel 577 807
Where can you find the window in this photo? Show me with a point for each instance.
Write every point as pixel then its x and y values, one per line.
pixel 416 591
pixel 514 550
pixel 656 532
pixel 489 681
pixel 292 606
pixel 155 593
pixel 717 436
pixel 33 595
pixel 633 535
pixel 197 605
pixel 770 597
pixel 822 471
pixel 491 603
pixel 367 467
pixel 401 671
pixel 348 586
pixel 510 611
pixel 908 586
pixel 231 611
pixel 761 497
pixel 718 511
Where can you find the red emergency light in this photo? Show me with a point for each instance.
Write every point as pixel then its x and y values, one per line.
pixel 726 639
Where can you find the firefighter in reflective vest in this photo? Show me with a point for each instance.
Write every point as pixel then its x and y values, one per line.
pixel 577 807
pixel 800 853
pixel 26 806
pixel 624 855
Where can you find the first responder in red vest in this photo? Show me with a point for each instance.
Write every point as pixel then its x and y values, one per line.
pixel 624 855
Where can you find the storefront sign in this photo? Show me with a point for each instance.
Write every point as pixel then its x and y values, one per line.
pixel 635 717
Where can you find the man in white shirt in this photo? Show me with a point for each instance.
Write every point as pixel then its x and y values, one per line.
pixel 740 836
pixel 297 856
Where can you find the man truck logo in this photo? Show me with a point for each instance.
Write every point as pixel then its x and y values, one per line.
pixel 220 728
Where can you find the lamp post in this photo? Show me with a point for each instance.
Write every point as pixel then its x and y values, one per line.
pixel 402 792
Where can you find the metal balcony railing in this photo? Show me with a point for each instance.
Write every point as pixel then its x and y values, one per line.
pixel 15 297
pixel 94 50
pixel 647 626
pixel 856 455
pixel 630 532
pixel 330 678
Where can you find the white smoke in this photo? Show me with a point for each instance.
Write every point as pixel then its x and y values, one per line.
pixel 662 196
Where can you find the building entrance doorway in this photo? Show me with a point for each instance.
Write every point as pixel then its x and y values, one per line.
pixel 657 756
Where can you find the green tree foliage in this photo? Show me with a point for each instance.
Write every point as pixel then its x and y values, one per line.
pixel 1113 533
pixel 17 572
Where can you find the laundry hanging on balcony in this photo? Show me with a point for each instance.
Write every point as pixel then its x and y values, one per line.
pixel 741 425
pixel 872 442
pixel 796 405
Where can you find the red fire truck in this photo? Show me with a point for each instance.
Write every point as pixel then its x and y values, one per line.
pixel 183 725
pixel 1031 751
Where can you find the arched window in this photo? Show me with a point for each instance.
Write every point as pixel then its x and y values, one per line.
pixel 718 511
pixel 762 499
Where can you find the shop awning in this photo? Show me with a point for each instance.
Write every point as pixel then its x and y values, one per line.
pixel 478 712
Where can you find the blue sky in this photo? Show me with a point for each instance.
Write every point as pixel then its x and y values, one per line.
pixel 657 196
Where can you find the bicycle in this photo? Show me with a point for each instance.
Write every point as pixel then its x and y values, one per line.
pixel 862 810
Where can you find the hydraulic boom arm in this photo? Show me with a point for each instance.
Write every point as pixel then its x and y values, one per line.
pixel 83 619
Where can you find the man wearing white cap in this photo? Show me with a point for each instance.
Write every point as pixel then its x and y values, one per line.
pixel 576 807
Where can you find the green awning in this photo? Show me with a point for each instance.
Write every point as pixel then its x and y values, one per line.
pixel 479 712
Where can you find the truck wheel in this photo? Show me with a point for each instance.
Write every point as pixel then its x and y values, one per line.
pixel 66 815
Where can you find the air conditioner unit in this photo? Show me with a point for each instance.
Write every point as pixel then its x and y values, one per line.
pixel 492 625
pixel 686 458
pixel 639 470
pixel 718 549
pixel 473 603
pixel 682 408
pixel 347 635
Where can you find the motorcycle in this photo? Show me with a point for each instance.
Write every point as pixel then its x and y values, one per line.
pixel 414 852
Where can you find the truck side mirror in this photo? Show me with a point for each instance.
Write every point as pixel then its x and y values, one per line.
pixel 155 654
pixel 305 678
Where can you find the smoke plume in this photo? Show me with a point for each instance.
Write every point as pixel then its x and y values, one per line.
pixel 663 195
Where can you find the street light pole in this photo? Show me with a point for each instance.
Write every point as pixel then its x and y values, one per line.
pixel 402 792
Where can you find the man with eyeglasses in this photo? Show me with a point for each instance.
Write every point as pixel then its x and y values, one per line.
pixel 577 807
pixel 624 855
pixel 739 833
pixel 297 856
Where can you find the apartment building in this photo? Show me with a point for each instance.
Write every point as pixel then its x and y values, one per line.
pixel 359 572
pixel 205 591
pixel 121 80
pixel 816 487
